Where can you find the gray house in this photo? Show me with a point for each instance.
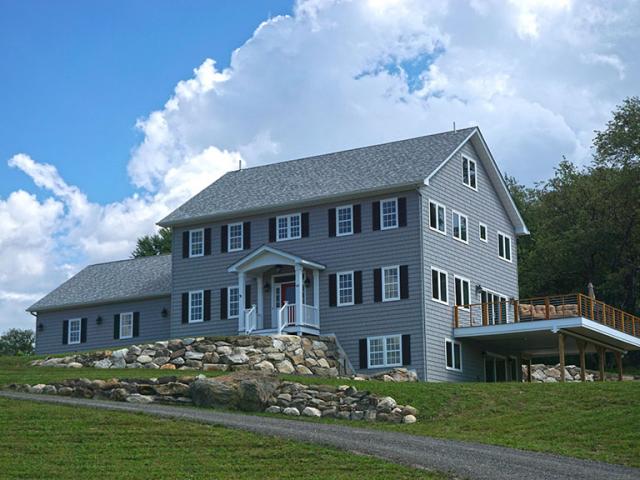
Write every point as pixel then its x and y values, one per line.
pixel 387 247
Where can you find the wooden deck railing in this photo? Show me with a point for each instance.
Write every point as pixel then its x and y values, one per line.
pixel 545 308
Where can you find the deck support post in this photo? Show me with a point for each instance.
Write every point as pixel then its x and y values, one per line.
pixel 619 364
pixel 529 370
pixel 601 354
pixel 561 354
pixel 581 348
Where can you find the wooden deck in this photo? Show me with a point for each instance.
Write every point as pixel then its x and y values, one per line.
pixel 545 308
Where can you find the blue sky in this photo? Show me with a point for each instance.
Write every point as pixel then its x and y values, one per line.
pixel 76 75
pixel 113 113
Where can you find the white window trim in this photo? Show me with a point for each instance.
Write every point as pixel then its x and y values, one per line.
pixel 229 249
pixel 229 301
pixel 453 355
pixel 288 217
pixel 382 227
pixel 462 279
pixel 350 232
pixel 191 293
pixel 475 165
pixel 439 270
pixel 73 320
pixel 486 232
pixel 384 297
pixel 353 289
pixel 500 296
pixel 510 259
pixel 191 232
pixel 438 205
pixel 384 351
pixel 453 226
pixel 121 334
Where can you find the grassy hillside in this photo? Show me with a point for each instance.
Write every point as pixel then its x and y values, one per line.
pixel 595 421
pixel 41 441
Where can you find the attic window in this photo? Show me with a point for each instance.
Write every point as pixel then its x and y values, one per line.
pixel 469 173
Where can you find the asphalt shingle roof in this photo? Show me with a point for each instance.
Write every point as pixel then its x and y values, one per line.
pixel 113 281
pixel 359 170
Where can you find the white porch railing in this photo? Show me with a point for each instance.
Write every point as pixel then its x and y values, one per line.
pixel 250 320
pixel 287 316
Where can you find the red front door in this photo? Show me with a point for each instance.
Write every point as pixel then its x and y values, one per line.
pixel 288 293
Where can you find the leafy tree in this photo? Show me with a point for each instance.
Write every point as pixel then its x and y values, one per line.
pixel 150 245
pixel 17 342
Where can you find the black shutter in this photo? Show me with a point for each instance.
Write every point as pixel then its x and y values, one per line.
pixel 185 244
pixel 65 332
pixel 246 235
pixel 207 241
pixel 375 215
pixel 377 285
pixel 224 238
pixel 223 304
pixel 357 287
pixel 207 305
pixel 357 218
pixel 364 356
pixel 332 222
pixel 272 229
pixel 404 281
pixel 333 294
pixel 83 330
pixel 402 212
pixel 406 349
pixel 116 326
pixel 305 224
pixel 185 308
pixel 247 296
pixel 136 324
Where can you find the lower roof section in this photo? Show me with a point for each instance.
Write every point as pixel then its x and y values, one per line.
pixel 539 338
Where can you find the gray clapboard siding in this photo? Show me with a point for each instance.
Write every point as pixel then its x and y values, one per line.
pixel 152 325
pixel 364 251
pixel 478 261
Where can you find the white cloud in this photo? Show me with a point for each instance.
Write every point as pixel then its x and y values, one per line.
pixel 534 74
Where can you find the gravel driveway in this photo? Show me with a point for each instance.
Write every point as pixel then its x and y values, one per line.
pixel 461 459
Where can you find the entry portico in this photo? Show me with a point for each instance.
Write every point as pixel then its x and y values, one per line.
pixel 290 315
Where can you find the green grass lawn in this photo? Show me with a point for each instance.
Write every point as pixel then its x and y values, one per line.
pixel 594 420
pixel 42 441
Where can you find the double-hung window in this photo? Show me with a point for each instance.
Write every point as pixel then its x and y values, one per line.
pixel 453 352
pixel 390 283
pixel 126 325
pixel 483 233
pixel 437 217
pixel 385 351
pixel 462 292
pixel 235 237
pixel 345 288
pixel 389 214
pixel 460 230
pixel 504 246
pixel 439 283
pixel 196 306
pixel 233 302
pixel 288 227
pixel 196 243
pixel 469 177
pixel 75 326
pixel 344 220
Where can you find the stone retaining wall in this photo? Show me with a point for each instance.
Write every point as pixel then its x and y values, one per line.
pixel 246 391
pixel 551 373
pixel 282 354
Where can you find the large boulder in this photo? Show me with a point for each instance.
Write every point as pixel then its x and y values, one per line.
pixel 256 392
pixel 213 393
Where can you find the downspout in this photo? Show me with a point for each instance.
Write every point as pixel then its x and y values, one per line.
pixel 422 290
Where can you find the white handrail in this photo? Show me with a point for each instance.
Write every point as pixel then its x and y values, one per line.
pixel 283 317
pixel 250 320
pixel 310 316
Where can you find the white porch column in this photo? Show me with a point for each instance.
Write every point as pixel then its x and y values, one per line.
pixel 299 287
pixel 260 297
pixel 241 288
pixel 316 289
